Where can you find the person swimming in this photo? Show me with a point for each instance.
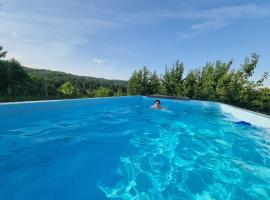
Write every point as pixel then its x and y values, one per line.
pixel 156 104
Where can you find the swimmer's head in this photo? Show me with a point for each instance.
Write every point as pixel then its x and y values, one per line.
pixel 157 103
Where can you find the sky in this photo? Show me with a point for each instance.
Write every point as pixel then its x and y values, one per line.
pixel 112 38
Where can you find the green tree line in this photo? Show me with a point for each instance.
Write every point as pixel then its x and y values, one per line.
pixel 21 83
pixel 213 82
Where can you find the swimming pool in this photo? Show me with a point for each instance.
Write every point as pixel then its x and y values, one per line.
pixel 119 148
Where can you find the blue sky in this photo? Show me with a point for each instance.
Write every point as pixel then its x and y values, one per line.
pixel 112 38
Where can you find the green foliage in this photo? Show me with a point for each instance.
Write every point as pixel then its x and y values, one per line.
pixel 214 82
pixel 103 92
pixel 85 85
pixel 172 79
pixel 13 79
pixel 119 92
pixel 249 65
pixel 21 83
pixel 190 84
pixel 68 89
pixel 143 82
pixel 2 53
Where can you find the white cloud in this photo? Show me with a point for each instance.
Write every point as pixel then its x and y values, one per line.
pixel 218 18
pixel 98 61
pixel 184 36
pixel 214 18
pixel 52 35
pixel 14 34
pixel 210 25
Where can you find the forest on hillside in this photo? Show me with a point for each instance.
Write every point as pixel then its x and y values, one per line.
pixel 18 83
pixel 213 82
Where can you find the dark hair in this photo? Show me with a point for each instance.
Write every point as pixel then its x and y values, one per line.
pixel 157 101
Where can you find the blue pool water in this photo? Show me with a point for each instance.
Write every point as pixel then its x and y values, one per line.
pixel 119 148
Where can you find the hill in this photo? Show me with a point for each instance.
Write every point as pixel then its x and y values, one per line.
pixel 19 83
pixel 62 76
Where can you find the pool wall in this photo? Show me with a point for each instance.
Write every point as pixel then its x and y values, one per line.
pixel 240 114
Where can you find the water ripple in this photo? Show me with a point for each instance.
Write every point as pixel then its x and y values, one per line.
pixel 174 161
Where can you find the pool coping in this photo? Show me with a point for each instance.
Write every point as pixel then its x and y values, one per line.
pixel 168 97
pixel 241 114
pixel 57 100
pixel 246 110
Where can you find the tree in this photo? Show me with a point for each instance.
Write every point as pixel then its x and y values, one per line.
pixel 143 82
pixel 249 66
pixel 3 77
pixel 154 84
pixel 13 79
pixel 135 86
pixel 262 102
pixel 103 92
pixel 189 85
pixel 67 89
pixel 2 53
pixel 214 81
pixel 21 83
pixel 223 79
pixel 207 82
pixel 119 92
pixel 247 88
pixel 172 79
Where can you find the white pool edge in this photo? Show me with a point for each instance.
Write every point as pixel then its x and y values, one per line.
pixel 241 114
pixel 59 100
